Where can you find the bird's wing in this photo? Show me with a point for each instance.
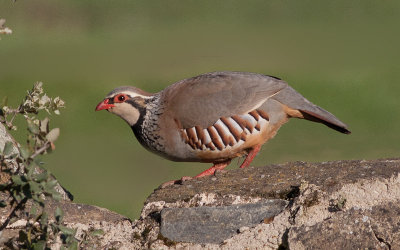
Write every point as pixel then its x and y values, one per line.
pixel 202 100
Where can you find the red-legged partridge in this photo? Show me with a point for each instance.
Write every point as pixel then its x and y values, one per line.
pixel 213 117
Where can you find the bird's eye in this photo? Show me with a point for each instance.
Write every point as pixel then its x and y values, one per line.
pixel 120 98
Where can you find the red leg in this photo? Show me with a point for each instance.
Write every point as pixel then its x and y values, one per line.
pixel 250 156
pixel 210 171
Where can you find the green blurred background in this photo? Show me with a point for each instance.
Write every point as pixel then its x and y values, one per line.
pixel 342 55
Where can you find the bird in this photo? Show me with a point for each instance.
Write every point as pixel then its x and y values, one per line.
pixel 213 117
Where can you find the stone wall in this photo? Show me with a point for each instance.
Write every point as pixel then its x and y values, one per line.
pixel 298 205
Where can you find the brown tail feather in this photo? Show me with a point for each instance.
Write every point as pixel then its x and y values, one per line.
pixel 315 118
pixel 302 108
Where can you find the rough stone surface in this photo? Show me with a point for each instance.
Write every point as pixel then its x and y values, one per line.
pixel 338 205
pixel 215 224
pixel 375 228
pixel 317 192
pixel 5 137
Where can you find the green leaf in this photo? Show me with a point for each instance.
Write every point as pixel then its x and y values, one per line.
pixel 35 187
pixel 58 214
pixel 41 177
pixel 73 245
pixel 97 232
pixel 49 186
pixel 18 180
pixel 8 147
pixel 40 245
pixel 33 211
pixel 56 196
pixel 53 134
pixel 18 196
pixel 31 171
pixel 43 219
pixel 37 198
pixel 67 231
pixel 33 128
pixel 24 152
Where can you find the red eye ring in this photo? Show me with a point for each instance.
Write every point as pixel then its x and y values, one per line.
pixel 120 98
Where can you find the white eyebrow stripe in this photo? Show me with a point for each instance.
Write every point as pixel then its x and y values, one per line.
pixel 131 94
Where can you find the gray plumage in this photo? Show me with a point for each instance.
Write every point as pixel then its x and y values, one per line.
pixel 213 117
pixel 203 99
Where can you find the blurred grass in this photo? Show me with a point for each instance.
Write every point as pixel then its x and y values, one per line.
pixel 341 55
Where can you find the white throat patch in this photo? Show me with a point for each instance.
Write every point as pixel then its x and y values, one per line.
pixel 127 112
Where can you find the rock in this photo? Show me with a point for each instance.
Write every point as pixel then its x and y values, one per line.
pixel 116 229
pixel 338 205
pixel 318 194
pixel 4 138
pixel 215 224
pixel 354 229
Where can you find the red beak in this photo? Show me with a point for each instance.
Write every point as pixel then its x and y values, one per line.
pixel 104 105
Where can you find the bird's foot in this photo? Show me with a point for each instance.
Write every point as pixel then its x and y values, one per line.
pixel 217 167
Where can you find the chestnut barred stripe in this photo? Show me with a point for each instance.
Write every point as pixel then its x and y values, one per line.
pixel 242 133
pixel 227 131
pixel 200 134
pixel 210 146
pixel 184 135
pixel 263 114
pixel 191 132
pixel 255 115
pixel 250 121
pixel 224 133
pixel 244 123
pixel 234 131
pixel 216 140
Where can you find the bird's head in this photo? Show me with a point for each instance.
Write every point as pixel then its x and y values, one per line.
pixel 127 102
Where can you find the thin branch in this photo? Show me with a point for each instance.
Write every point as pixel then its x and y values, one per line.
pixel 12 214
pixel 15 114
pixel 40 150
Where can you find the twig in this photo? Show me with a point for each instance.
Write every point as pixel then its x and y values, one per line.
pixel 17 207
pixel 13 117
pixel 40 150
